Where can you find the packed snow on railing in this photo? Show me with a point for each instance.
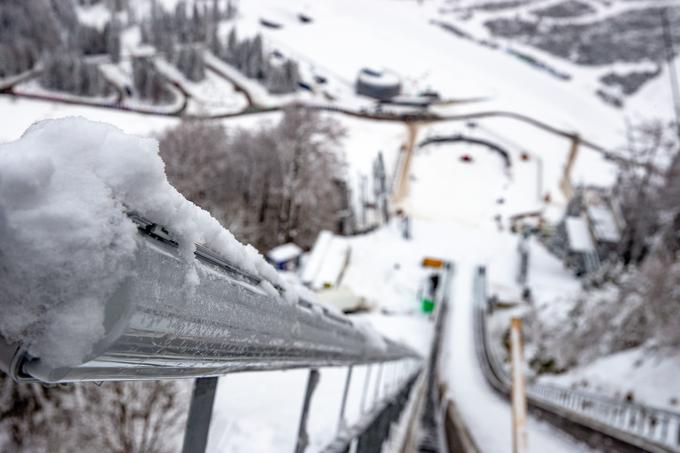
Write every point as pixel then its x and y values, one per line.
pixel 66 242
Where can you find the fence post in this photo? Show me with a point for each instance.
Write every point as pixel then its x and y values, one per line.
pixel 519 400
pixel 376 394
pixel 364 394
pixel 303 436
pixel 341 418
pixel 200 413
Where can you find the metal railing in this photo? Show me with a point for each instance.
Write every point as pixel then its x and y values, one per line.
pixel 373 428
pixel 427 415
pixel 156 328
pixel 431 429
pixel 232 321
pixel 640 426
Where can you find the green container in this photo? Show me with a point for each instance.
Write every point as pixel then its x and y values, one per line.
pixel 427 305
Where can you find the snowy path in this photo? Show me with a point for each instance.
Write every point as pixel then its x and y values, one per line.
pixel 486 414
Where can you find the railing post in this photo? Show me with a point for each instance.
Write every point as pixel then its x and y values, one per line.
pixel 342 424
pixel 200 413
pixel 664 430
pixel 376 394
pixel 364 394
pixel 519 401
pixel 303 436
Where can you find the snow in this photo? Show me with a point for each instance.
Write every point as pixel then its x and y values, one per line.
pixel 378 36
pixel 316 257
pixel 94 15
pixel 470 241
pixel 487 415
pixel 579 235
pixel 648 375
pixel 285 252
pixel 67 244
pixel 244 418
pixel 260 412
pixel 259 94
pixel 604 224
pixel 213 95
pixel 326 262
pixel 343 298
pixel 476 186
pixel 452 204
pixel 25 112
pixel 32 87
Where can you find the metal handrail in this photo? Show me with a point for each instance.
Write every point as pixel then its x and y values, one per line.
pixel 371 431
pixel 389 407
pixel 643 426
pixel 156 328
pixel 431 436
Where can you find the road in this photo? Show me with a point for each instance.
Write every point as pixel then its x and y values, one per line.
pixel 253 108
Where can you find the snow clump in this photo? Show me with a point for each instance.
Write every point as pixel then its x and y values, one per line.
pixel 66 243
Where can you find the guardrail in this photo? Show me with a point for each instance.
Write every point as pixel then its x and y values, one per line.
pixel 632 426
pixel 431 433
pixel 156 329
pixel 231 321
pixel 426 425
pixel 373 428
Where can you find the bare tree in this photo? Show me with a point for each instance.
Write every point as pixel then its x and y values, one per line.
pixel 308 161
pixel 641 305
pixel 125 417
pixel 269 185
pixel 638 186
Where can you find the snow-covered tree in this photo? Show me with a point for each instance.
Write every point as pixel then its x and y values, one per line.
pixel 72 74
pixel 638 304
pixel 198 24
pixel 147 83
pixel 190 62
pixel 249 57
pixel 231 11
pixel 255 58
pixel 232 43
pixel 117 6
pixel 215 43
pixel 305 143
pixel 113 32
pixel 269 185
pixel 30 28
pixel 638 186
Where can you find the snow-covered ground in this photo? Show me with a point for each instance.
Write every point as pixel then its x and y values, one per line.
pixel 21 113
pixel 474 240
pixel 386 268
pixel 212 96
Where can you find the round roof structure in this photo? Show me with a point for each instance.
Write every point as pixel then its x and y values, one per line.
pixel 378 84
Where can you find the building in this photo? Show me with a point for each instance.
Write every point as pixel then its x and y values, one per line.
pixel 285 257
pixel 581 254
pixel 590 230
pixel 381 85
pixel 327 261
